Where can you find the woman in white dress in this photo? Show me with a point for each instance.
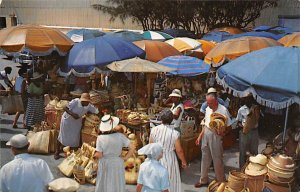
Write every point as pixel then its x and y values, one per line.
pixel 168 137
pixel 111 170
pixel 71 122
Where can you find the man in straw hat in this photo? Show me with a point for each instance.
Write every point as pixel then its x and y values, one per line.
pixel 211 146
pixel 24 173
pixel 177 107
pixel 71 122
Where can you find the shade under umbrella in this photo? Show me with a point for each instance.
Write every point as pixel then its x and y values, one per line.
pixel 156 50
pixel 138 65
pixel 234 48
pixel 129 36
pixel 271 75
pixel 185 65
pixel 78 35
pixel 38 40
pixel 290 40
pixel 100 51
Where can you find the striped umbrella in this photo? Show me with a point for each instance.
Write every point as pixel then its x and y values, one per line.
pixel 185 44
pixel 185 65
pixel 290 40
pixel 156 35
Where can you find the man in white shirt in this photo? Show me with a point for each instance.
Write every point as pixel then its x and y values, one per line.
pixel 247 119
pixel 211 146
pixel 24 173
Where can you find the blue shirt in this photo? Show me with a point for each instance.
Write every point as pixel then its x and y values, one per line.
pixel 204 105
pixel 153 176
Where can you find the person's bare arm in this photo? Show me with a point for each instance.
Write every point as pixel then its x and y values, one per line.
pixel 98 155
pixel 139 187
pixel 74 115
pixel 177 113
pixel 200 137
pixel 130 152
pixel 180 154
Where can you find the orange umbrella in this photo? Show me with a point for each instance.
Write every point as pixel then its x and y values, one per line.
pixel 233 48
pixel 206 45
pixel 37 39
pixel 290 40
pixel 231 30
pixel 156 50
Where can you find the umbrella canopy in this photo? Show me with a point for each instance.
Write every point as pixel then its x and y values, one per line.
pixel 38 40
pixel 234 48
pixel 156 35
pixel 100 51
pixel 231 30
pixel 129 36
pixel 206 46
pixel 271 75
pixel 184 44
pixel 275 30
pixel 258 34
pixel 290 40
pixel 216 36
pixel 78 35
pixel 185 65
pixel 156 50
pixel 180 33
pixel 138 65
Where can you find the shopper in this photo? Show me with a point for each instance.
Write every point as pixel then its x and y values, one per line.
pixel 111 170
pixel 153 177
pixel 24 173
pixel 168 137
pixel 4 76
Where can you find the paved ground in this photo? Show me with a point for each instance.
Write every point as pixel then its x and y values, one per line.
pixel 189 176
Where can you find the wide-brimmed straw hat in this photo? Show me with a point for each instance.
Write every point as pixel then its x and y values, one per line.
pixel 85 97
pixel 255 169
pixel 176 93
pixel 259 159
pixel 108 122
pixel 61 105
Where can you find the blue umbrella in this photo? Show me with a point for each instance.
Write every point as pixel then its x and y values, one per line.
pixel 129 36
pixel 258 34
pixel 216 36
pixel 100 51
pixel 271 75
pixel 180 33
pixel 262 28
pixel 78 35
pixel 275 30
pixel 185 65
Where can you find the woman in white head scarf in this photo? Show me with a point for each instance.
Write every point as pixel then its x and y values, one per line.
pixel 153 177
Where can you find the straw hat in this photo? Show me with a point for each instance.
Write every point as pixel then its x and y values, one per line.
pixel 108 122
pixel 259 159
pixel 211 90
pixel 176 93
pixel 254 169
pixel 85 97
pixel 61 105
pixel 63 185
pixel 217 115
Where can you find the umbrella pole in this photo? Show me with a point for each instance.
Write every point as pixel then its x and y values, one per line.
pixel 285 126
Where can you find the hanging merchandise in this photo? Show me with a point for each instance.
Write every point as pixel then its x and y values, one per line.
pixel 160 87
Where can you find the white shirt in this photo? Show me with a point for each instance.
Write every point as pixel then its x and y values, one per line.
pixel 25 173
pixel 177 122
pixel 242 114
pixel 222 110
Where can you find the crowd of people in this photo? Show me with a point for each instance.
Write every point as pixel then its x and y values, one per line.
pixel 161 170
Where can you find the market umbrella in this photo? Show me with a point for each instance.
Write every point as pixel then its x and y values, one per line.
pixel 184 44
pixel 216 36
pixel 156 50
pixel 262 28
pixel 271 75
pixel 234 48
pixel 290 40
pixel 258 34
pixel 180 33
pixel 185 65
pixel 206 46
pixel 78 35
pixel 129 36
pixel 100 51
pixel 275 30
pixel 231 30
pixel 138 65
pixel 156 35
pixel 38 40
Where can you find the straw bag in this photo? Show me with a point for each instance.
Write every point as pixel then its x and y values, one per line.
pixel 12 104
pixel 78 172
pixel 39 142
pixel 67 165
pixel 91 172
pixel 53 140
pixel 251 119
pixel 187 127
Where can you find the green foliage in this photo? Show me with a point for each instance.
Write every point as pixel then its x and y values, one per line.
pixel 194 15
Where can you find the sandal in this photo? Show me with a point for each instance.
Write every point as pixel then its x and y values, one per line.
pixel 198 185
pixel 15 126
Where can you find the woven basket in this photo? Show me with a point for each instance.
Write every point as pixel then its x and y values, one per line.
pixel 78 173
pixel 236 180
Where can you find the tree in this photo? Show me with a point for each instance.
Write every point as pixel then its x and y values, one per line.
pixel 194 15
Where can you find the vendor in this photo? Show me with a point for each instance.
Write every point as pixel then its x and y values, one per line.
pixel 71 122
pixel 177 108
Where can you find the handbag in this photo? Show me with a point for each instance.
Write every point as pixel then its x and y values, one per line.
pixel 187 127
pixel 53 140
pixel 39 142
pixel 67 165
pixel 12 104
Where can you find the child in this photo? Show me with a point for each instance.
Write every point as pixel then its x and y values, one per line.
pixel 153 177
